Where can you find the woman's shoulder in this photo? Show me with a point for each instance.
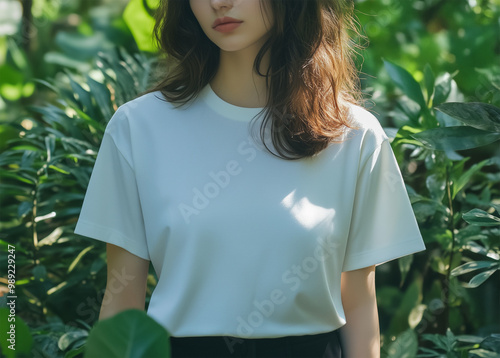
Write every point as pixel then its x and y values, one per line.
pixel 145 108
pixel 366 127
pixel 363 118
pixel 137 111
pixel 147 103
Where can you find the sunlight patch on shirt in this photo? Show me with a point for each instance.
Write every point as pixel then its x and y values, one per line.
pixel 305 212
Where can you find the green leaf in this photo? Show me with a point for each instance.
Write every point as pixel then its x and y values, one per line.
pixel 65 61
pixel 405 345
pixel 57 169
pixel 464 178
pixel 469 339
pixel 22 336
pixel 439 341
pixel 450 338
pixel 141 24
pixel 102 97
pixel 78 46
pixel 78 258
pixel 28 159
pixel 411 298
pixel 472 266
pixel 474 247
pixel 482 116
pixel 50 144
pixel 443 88
pixel 410 109
pixel 21 177
pixel 18 56
pixel 25 147
pixel 11 83
pixel 482 353
pixel 458 168
pixel 97 265
pixel 84 97
pixel 429 80
pixel 492 342
pixel 404 266
pixel 24 208
pixel 436 184
pixel 128 334
pixel 481 218
pixel 423 209
pixel 416 315
pixel 75 352
pixel 406 82
pixel 480 278
pixel 47 84
pixel 455 138
pixel 10 23
pixel 39 272
pixel 70 338
pixel 51 238
pixel 404 136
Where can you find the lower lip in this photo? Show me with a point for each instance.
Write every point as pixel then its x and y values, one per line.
pixel 227 27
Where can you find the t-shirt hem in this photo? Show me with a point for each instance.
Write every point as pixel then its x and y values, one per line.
pixel 110 235
pixel 254 335
pixel 384 254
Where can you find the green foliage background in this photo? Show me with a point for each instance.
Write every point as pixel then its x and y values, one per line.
pixel 431 74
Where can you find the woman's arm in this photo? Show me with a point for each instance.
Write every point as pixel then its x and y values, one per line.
pixel 361 333
pixel 126 282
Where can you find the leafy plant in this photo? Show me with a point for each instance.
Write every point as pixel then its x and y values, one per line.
pixel 44 174
pixel 442 194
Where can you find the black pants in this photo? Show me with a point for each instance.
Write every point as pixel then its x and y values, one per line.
pixel 324 345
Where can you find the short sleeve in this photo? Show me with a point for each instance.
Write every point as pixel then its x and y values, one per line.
pixel 111 210
pixel 383 226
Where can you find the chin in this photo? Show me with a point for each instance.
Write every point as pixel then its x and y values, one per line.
pixel 235 46
pixel 230 47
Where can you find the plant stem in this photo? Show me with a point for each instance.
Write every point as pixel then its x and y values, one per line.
pixel 27 25
pixel 33 225
pixel 452 251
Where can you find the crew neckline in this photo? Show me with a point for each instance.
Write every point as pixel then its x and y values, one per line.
pixel 226 109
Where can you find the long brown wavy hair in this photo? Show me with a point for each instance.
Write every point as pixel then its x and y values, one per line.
pixel 311 78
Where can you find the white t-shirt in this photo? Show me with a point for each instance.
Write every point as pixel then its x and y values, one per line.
pixel 244 243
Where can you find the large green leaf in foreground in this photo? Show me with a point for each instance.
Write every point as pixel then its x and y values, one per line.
pixel 128 334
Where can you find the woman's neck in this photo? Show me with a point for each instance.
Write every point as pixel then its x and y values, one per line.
pixel 237 83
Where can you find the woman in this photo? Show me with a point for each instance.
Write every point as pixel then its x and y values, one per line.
pixel 263 247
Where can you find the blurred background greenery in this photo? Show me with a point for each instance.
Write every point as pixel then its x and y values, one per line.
pixel 65 67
